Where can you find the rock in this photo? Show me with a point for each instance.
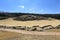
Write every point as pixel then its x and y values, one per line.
pixel 31 29
pixel 14 27
pixel 36 26
pixel 57 27
pixel 47 27
pixel 39 29
pixel 21 27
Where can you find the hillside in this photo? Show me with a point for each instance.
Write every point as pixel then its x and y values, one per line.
pixel 28 16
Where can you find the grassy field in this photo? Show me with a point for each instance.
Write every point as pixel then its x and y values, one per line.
pixel 41 23
pixel 53 30
pixel 16 36
pixel 6 35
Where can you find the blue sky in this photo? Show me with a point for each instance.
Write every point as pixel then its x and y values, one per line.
pixel 31 6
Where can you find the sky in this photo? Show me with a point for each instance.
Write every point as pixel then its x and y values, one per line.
pixel 30 6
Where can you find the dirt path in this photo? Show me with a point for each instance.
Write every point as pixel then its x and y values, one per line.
pixel 31 32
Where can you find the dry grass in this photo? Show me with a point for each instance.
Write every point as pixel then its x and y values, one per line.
pixel 16 36
pixel 41 23
pixel 5 35
pixel 53 30
pixel 11 22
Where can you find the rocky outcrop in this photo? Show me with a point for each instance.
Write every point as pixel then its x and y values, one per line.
pixel 47 27
pixel 33 28
pixel 29 18
pixel 57 27
pixel 25 18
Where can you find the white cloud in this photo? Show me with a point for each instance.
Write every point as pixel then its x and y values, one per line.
pixel 21 6
pixel 42 10
pixel 36 10
pixel 31 9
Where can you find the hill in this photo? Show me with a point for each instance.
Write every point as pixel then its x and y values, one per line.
pixel 28 16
